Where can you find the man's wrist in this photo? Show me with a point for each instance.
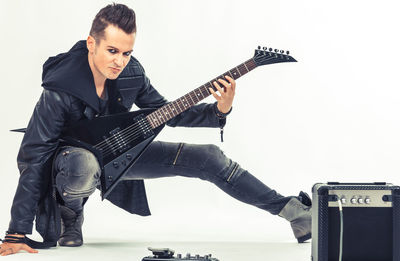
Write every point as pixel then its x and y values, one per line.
pixel 220 114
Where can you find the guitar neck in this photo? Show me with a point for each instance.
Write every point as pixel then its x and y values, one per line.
pixel 172 109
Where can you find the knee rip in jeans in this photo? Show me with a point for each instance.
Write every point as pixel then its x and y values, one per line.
pixel 69 193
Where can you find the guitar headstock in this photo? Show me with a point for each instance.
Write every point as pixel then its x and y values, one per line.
pixel 266 55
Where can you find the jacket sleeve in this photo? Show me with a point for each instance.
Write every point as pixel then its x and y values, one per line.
pixel 38 146
pixel 200 115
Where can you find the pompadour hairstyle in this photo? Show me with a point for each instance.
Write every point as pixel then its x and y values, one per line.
pixel 118 15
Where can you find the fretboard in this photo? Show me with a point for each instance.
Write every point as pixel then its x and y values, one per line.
pixel 172 109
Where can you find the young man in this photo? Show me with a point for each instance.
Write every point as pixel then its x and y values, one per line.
pixel 100 77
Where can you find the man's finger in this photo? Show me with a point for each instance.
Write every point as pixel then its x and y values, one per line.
pixel 225 83
pixel 29 249
pixel 219 88
pixel 7 252
pixel 216 96
pixel 231 81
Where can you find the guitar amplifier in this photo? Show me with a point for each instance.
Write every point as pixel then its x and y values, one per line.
pixel 367 228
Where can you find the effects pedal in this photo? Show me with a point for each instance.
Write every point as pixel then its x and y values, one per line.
pixel 166 254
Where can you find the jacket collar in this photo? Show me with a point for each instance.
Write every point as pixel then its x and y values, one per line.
pixel 70 72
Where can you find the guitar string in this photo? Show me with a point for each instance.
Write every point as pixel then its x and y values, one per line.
pixel 125 138
pixel 106 141
pixel 128 136
pixel 117 145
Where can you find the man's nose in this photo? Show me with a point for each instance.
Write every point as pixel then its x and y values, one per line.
pixel 119 60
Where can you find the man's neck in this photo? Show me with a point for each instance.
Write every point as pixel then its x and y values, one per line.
pixel 99 79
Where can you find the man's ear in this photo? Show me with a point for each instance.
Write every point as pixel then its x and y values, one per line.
pixel 91 44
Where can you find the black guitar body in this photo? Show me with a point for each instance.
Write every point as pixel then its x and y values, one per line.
pixel 116 140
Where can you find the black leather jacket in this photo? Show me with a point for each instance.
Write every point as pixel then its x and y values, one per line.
pixel 68 96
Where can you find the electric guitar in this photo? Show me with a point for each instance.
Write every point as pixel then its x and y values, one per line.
pixel 118 140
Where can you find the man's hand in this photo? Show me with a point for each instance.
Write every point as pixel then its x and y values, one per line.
pixel 227 93
pixel 12 248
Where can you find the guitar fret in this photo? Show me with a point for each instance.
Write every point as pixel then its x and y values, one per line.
pixel 242 69
pixel 191 98
pixel 198 94
pixel 188 99
pixel 180 107
pixel 210 85
pixel 204 91
pixel 170 110
pixel 183 103
pixel 246 67
pixel 158 115
pixel 194 97
pixel 154 118
pixel 163 114
pixel 234 73
pixel 174 109
pixel 238 71
pixel 165 111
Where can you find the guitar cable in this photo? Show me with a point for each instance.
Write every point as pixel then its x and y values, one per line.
pixel 341 229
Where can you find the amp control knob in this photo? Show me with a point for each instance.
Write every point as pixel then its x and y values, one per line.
pixel 360 200
pixel 367 201
pixel 353 200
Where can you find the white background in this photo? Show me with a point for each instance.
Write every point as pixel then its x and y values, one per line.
pixel 333 116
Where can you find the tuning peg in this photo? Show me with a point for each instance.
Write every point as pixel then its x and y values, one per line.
pixel 270 49
pixel 259 47
pixel 287 52
pixel 265 48
pixel 276 50
pixel 282 51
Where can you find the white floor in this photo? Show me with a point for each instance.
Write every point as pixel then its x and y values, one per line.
pixel 115 249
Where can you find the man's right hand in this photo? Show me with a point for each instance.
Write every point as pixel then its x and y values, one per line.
pixel 12 248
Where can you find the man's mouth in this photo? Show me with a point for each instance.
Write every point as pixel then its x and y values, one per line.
pixel 115 70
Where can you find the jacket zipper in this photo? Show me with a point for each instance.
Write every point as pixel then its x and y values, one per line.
pixel 177 154
pixel 233 171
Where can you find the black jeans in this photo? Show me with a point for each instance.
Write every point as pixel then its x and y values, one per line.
pixel 78 173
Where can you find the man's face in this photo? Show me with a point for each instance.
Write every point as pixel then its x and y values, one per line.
pixel 110 56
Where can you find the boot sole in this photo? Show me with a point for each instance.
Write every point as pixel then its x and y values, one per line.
pixel 70 244
pixel 304 238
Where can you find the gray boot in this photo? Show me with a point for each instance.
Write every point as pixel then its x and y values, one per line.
pixel 71 228
pixel 298 213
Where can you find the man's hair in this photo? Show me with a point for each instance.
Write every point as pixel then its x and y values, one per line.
pixel 118 15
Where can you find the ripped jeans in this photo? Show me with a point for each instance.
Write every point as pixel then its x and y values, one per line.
pixel 78 173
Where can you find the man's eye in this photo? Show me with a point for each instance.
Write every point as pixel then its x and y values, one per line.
pixel 112 51
pixel 127 53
